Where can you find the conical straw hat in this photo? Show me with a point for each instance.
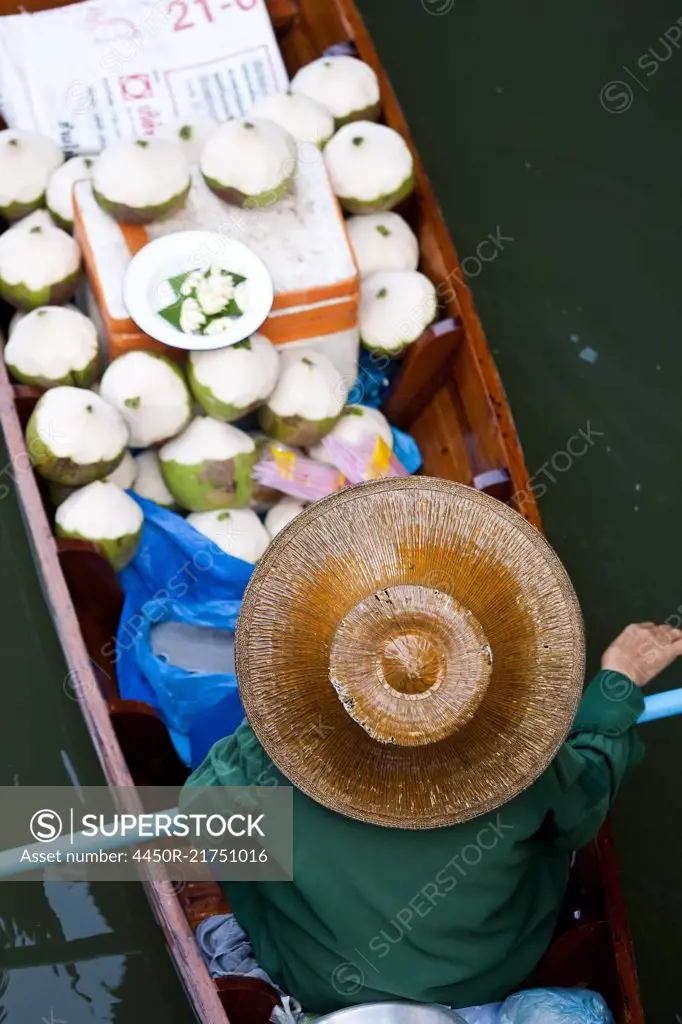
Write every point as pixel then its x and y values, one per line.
pixel 410 652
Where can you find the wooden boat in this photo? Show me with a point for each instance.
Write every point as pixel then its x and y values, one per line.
pixel 449 396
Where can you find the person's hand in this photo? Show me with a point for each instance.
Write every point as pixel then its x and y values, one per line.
pixel 642 651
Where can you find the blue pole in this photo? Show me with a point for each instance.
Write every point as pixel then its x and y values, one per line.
pixel 661 705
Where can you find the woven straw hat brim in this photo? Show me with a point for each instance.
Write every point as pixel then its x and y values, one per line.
pixel 422 532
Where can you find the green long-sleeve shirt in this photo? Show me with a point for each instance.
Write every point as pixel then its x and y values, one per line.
pixel 457 915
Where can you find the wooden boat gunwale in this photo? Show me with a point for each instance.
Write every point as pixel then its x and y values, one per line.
pixel 425 381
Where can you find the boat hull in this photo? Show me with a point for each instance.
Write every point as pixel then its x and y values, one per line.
pixel 449 396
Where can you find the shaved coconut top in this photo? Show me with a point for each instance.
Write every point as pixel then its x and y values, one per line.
pixel 309 386
pixel 357 423
pixel 148 480
pixel 383 241
pixel 367 160
pixel 52 342
pixel 37 257
pixel 343 84
pixel 396 306
pixel 251 156
pixel 59 195
pixel 27 159
pixel 303 117
pixel 241 374
pixel 19 314
pixel 141 173
pixel 238 532
pixel 39 218
pixel 190 135
pixel 205 440
pixel 281 514
pixel 124 474
pixel 100 511
pixel 150 393
pixel 78 425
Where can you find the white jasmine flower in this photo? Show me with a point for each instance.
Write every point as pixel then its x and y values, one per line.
pixel 190 283
pixel 219 326
pixel 217 271
pixel 191 316
pixel 240 296
pixel 214 293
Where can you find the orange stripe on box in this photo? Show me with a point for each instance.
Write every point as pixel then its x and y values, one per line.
pixel 135 237
pixel 310 323
pixel 312 296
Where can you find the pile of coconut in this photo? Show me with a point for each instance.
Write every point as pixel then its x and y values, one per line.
pixel 40 262
pixel 333 103
pixel 189 438
pixel 185 438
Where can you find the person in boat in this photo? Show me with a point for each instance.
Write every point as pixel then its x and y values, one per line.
pixel 410 658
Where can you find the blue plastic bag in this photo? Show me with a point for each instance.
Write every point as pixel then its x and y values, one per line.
pixel 375 376
pixel 406 450
pixel 177 575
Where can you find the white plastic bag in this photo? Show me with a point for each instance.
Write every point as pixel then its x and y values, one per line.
pixel 555 1006
pixel 93 72
pixel 543 1006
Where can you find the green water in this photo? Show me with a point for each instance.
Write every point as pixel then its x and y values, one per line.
pixel 504 102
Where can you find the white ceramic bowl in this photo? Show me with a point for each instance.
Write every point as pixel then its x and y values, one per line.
pixel 146 289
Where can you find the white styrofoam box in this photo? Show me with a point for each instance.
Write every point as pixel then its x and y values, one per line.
pixel 302 240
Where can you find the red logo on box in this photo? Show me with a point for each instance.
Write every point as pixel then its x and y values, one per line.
pixel 136 87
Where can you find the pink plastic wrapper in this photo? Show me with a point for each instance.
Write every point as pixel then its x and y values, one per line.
pixel 371 459
pixel 297 475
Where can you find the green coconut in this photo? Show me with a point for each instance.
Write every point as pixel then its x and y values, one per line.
pixel 307 401
pixel 190 135
pixel 141 181
pixel 151 394
pixel 229 383
pixel 281 514
pixel 370 167
pixel 39 266
pixel 303 117
pixel 346 86
pixel 238 532
pixel 209 466
pixel 149 482
pixel 59 195
pixel 396 307
pixel 250 163
pixel 27 159
pixel 102 514
pixel 123 476
pixel 53 345
pixel 74 437
pixel 382 241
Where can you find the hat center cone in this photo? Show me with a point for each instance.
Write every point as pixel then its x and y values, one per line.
pixel 410 664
